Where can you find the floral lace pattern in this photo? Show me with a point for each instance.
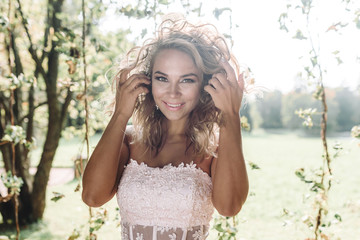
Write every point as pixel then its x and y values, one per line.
pixel 172 203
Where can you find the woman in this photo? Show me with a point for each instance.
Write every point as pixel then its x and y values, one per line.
pixel 183 157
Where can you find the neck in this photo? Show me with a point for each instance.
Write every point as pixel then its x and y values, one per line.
pixel 176 128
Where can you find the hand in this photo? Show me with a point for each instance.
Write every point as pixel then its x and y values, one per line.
pixel 226 90
pixel 128 90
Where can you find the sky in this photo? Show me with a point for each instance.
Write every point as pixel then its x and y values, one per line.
pixel 273 55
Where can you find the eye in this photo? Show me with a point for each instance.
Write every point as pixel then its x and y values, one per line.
pixel 161 79
pixel 188 80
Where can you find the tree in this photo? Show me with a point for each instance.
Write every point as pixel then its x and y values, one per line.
pixel 45 66
pixel 292 102
pixel 270 110
pixel 346 100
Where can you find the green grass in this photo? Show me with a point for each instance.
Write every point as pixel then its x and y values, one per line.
pixel 273 188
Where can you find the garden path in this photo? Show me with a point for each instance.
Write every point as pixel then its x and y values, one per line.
pixel 57 176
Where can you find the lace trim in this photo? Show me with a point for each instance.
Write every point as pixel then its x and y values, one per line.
pixel 168 166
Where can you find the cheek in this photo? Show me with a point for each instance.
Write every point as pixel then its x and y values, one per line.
pixel 156 91
pixel 193 93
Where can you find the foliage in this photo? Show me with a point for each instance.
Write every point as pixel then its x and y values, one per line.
pixel 307 115
pixel 13 183
pixel 320 179
pixel 347 109
pixel 355 131
pixel 244 123
pixel 15 134
pixel 270 110
pixel 96 222
pixel 342 109
pixel 226 227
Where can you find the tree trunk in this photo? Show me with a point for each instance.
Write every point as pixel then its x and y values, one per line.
pixel 44 167
pixel 33 193
pixel 55 123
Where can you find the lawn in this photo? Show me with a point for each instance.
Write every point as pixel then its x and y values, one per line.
pixel 273 187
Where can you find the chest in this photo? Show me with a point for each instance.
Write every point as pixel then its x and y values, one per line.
pixel 173 153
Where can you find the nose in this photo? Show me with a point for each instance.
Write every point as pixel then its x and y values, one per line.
pixel 174 90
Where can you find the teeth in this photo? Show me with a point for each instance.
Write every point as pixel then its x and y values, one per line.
pixel 173 105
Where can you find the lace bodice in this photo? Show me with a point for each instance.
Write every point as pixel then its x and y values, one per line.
pixel 164 203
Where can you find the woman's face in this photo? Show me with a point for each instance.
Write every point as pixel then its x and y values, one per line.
pixel 176 84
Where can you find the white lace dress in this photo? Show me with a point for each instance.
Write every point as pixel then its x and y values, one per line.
pixel 169 203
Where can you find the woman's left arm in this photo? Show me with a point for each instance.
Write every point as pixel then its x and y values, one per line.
pixel 228 170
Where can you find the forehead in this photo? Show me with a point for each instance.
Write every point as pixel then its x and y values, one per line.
pixel 173 59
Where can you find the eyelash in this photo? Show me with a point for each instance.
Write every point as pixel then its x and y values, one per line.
pixel 186 80
pixel 161 79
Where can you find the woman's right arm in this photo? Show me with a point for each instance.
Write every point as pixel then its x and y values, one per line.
pixel 106 164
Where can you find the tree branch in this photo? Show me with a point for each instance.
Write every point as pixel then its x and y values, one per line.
pixel 46 35
pixel 6 198
pixel 35 107
pixel 66 104
pixel 31 47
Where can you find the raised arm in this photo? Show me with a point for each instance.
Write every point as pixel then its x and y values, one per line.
pixel 228 170
pixel 104 169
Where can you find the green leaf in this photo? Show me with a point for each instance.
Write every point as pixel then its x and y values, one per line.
pixel 338 217
pixel 219 228
pixel 253 165
pixel 300 173
pixel 339 61
pixel 299 35
pixel 313 61
pixel 164 2
pixel 57 196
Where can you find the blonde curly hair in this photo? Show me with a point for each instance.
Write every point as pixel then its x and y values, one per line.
pixel 206 46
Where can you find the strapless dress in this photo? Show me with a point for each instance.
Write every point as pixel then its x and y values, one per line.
pixel 169 203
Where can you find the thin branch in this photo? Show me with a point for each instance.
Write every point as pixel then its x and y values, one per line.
pixel 6 198
pixel 35 107
pixel 31 48
pixel 85 82
pixel 66 104
pixel 46 35
pixel 4 142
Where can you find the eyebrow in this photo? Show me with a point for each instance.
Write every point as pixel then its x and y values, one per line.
pixel 182 76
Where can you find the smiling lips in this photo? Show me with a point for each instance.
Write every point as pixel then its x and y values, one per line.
pixel 173 107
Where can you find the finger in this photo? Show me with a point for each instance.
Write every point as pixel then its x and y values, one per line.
pixel 221 77
pixel 140 90
pixel 209 89
pixel 135 83
pixel 230 73
pixel 215 83
pixel 122 77
pixel 138 83
pixel 135 77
